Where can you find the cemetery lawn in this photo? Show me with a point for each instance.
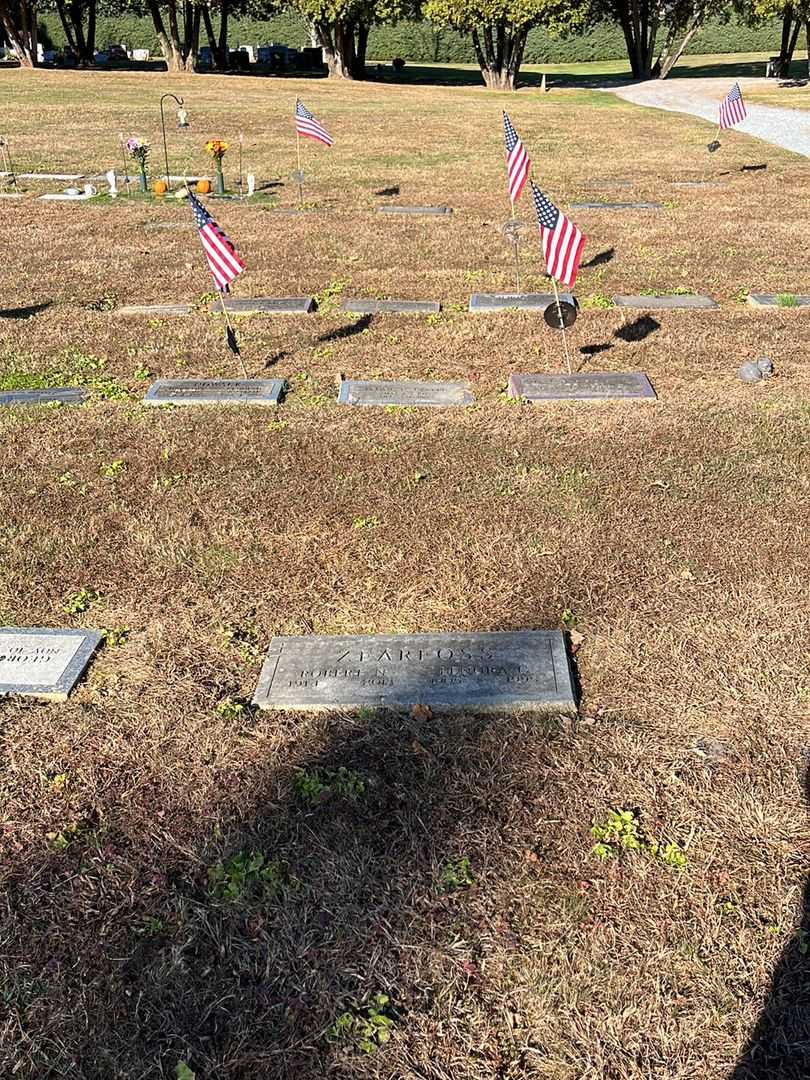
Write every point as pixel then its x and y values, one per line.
pixel 187 881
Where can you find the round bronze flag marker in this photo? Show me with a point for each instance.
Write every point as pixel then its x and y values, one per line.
pixel 553 312
pixel 715 145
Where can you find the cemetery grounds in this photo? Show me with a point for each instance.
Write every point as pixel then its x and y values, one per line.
pixel 191 884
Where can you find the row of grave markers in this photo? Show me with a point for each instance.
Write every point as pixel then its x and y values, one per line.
pixel 480 303
pixel 523 670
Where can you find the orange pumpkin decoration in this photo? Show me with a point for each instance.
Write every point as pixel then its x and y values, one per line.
pixel 203 187
pixel 159 187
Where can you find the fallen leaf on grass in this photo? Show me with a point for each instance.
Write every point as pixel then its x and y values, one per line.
pixel 576 640
pixel 421 712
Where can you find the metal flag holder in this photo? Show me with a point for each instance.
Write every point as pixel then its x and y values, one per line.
pixel 511 230
pixel 298 175
pixel 8 167
pixel 559 316
pixel 241 142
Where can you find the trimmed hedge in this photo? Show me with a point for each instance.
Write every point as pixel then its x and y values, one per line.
pixel 420 41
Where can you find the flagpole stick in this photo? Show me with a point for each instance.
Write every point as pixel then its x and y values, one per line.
pixel 124 160
pixel 300 174
pixel 515 243
pixel 233 333
pixel 562 325
pixel 240 164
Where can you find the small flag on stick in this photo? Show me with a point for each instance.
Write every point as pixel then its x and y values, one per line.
pixel 732 108
pixel 561 239
pixel 517 160
pixel 223 262
pixel 308 126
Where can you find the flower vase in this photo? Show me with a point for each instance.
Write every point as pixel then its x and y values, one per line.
pixel 219 180
pixel 142 181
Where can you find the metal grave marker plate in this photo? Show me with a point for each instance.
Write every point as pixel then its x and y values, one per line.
pixel 155 311
pixel 266 305
pixel 64 395
pixel 593 386
pixel 617 206
pixel 435 211
pixel 407 392
pixel 482 303
pixel 214 392
pixel 404 307
pixel 666 303
pixel 778 300
pixel 523 669
pixel 44 663
pixel 609 183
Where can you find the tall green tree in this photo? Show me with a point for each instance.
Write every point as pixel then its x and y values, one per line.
pixel 646 22
pixel 794 14
pixel 498 29
pixel 341 29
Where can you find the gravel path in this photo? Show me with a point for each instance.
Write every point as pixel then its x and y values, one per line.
pixel 788 128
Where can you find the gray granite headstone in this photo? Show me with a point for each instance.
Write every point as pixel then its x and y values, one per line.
pixel 593 386
pixel 155 311
pixel 266 305
pixel 697 183
pixel 404 307
pixel 772 300
pixel 407 392
pixel 609 183
pixel 44 663
pixel 435 211
pixel 617 206
pixel 49 176
pixel 64 395
pixel 214 392
pixel 666 303
pixel 513 670
pixel 485 302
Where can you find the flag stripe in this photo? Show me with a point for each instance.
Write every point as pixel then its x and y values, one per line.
pixel 518 162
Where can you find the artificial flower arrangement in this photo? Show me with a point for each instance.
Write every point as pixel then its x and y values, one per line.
pixel 139 151
pixel 217 149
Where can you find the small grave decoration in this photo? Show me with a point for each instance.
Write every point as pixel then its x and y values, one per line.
pixel 138 150
pixel 217 149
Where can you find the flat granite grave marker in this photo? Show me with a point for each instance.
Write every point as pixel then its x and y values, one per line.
pixel 617 206
pixel 772 300
pixel 434 211
pixel 666 303
pixel 608 183
pixel 489 672
pixel 403 307
pixel 406 392
pixel 482 303
pixel 44 663
pixel 154 311
pixel 214 392
pixel 266 305
pixel 63 395
pixel 593 386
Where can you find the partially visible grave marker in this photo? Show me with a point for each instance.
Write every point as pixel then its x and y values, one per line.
pixel 44 663
pixel 435 211
pixel 405 392
pixel 64 395
pixel 155 311
pixel 375 307
pixel 214 392
pixel 266 305
pixel 666 303
pixel 777 300
pixel 482 303
pixel 592 386
pixel 515 670
pixel 617 206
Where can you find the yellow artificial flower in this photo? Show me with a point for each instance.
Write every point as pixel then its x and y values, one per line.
pixel 216 148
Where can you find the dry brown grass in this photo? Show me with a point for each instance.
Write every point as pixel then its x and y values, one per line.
pixel 676 534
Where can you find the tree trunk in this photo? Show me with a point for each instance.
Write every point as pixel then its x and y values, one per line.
pixel 668 60
pixel 340 49
pixel 66 26
pixel 791 25
pixel 807 41
pixel 223 53
pixel 639 29
pixel 180 55
pixel 20 27
pixel 499 54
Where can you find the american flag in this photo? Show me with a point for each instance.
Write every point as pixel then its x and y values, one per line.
pixel 223 262
pixel 517 160
pixel 732 108
pixel 307 125
pixel 562 240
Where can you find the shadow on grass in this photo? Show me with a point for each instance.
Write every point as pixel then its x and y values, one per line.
pixel 638 329
pixel 347 331
pixel 24 312
pixel 131 951
pixel 779 1049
